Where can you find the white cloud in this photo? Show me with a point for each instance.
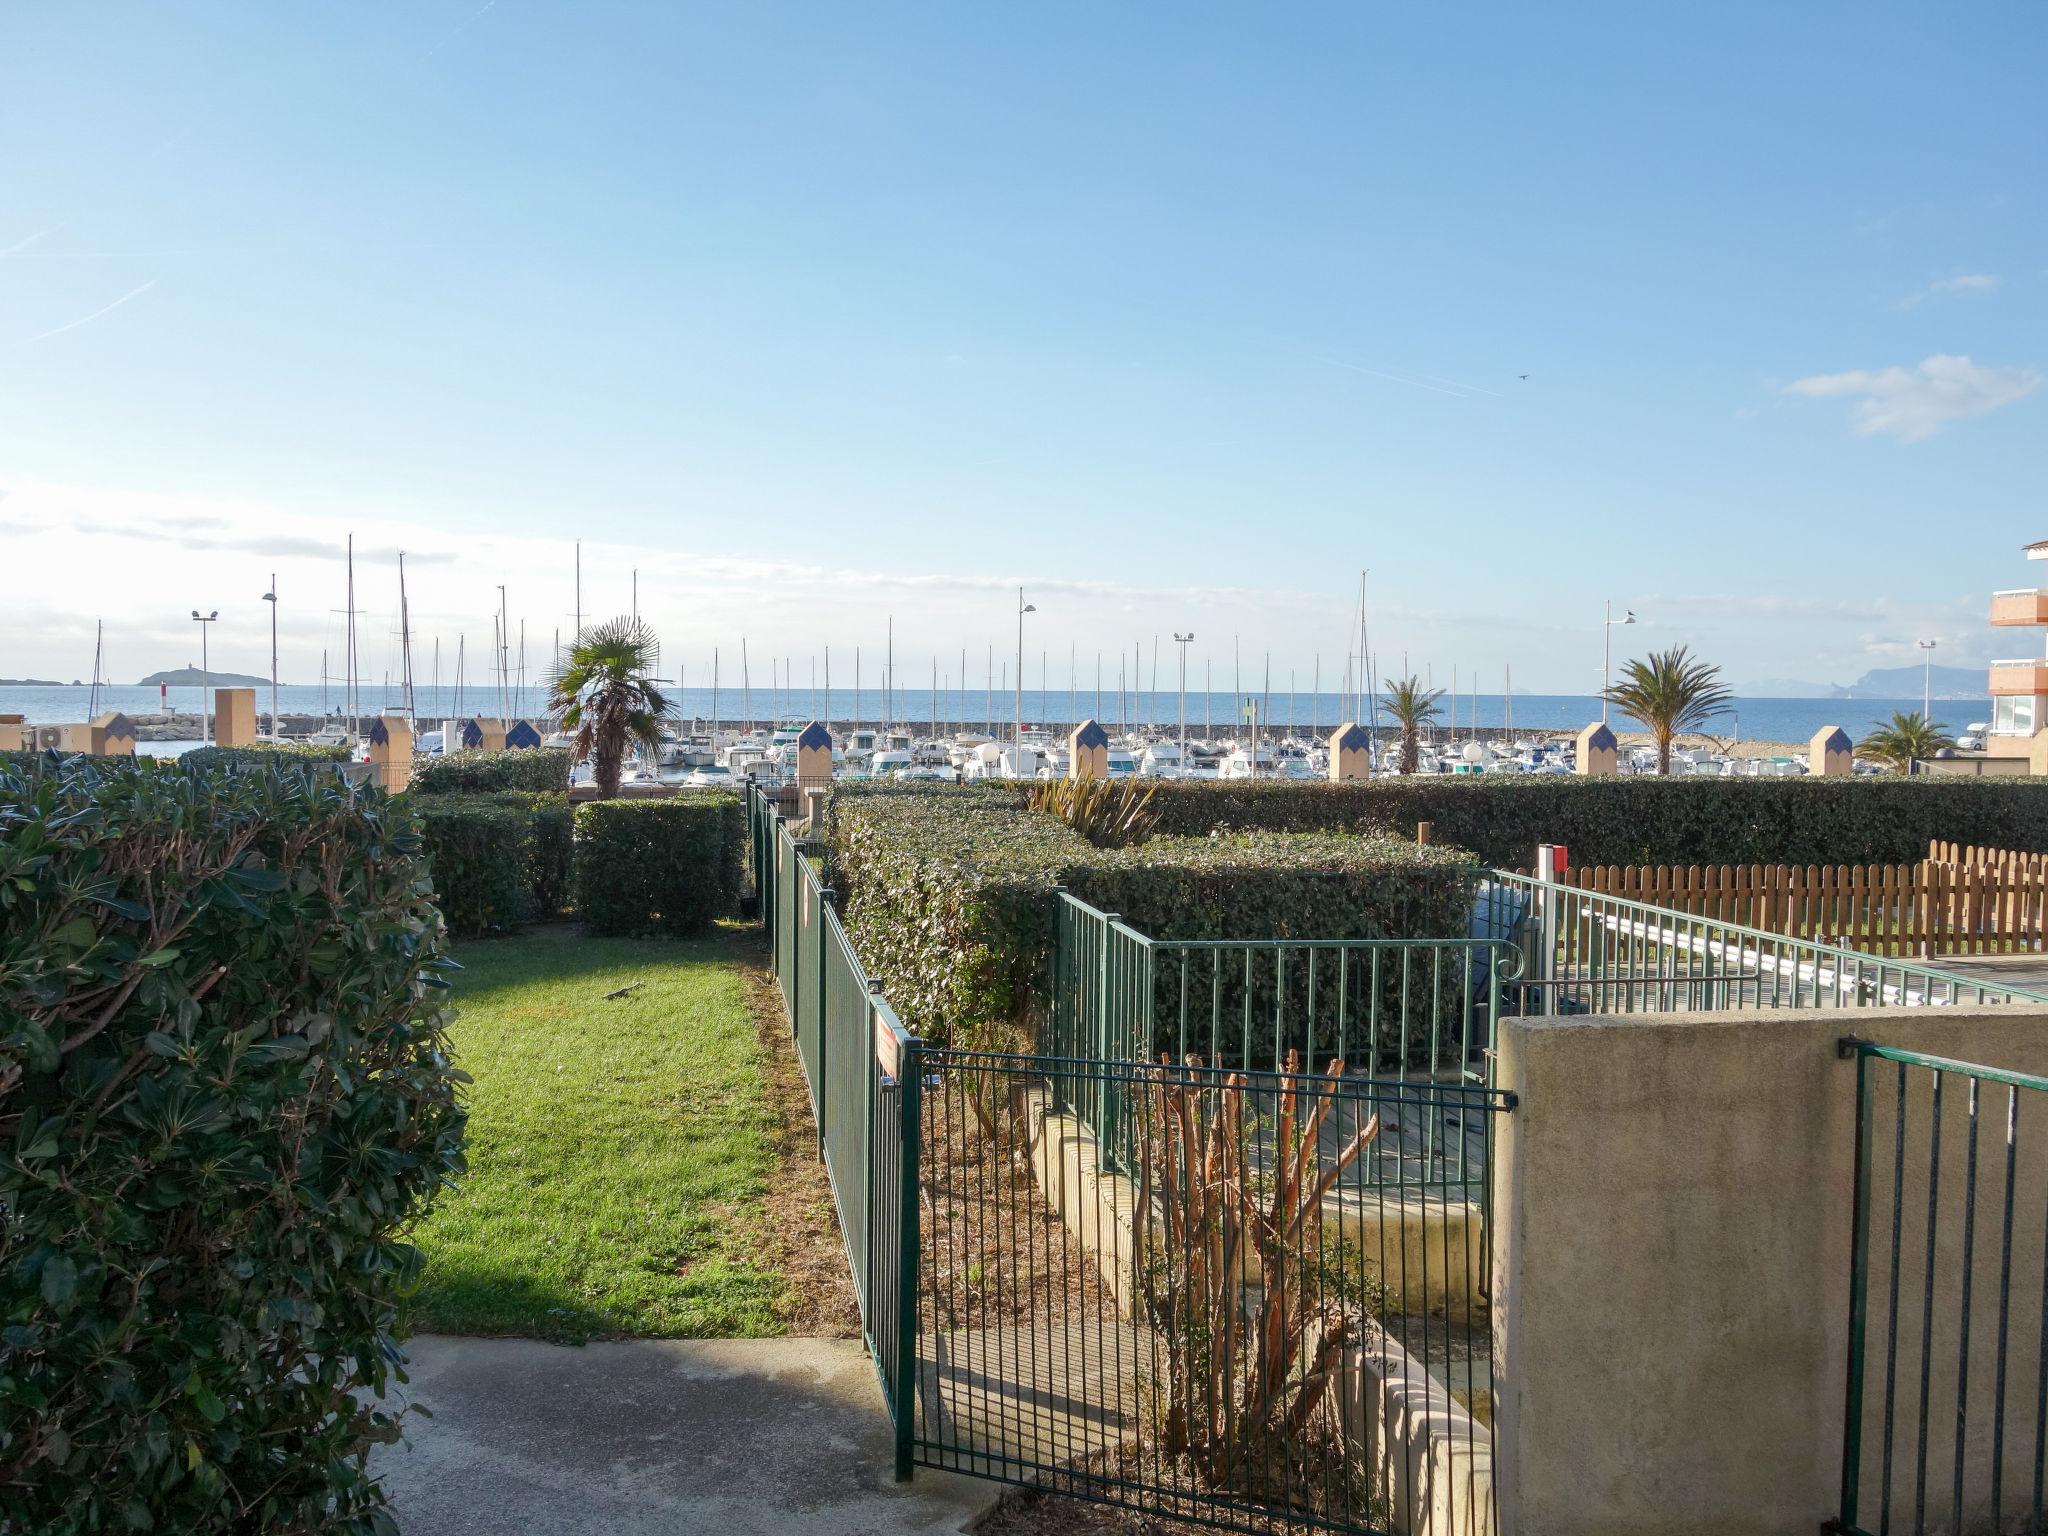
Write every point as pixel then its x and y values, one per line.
pixel 1953 288
pixel 1912 404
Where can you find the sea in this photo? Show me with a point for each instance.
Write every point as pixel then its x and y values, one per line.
pixel 1787 720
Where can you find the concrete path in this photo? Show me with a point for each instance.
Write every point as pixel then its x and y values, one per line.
pixel 658 1438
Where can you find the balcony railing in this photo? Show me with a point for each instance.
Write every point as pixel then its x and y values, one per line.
pixel 2026 676
pixel 2025 605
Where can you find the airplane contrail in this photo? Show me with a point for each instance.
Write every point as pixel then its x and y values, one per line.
pixel 1475 388
pixel 73 325
pixel 26 241
pixel 1391 378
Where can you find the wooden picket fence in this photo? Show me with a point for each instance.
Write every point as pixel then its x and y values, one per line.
pixel 1956 901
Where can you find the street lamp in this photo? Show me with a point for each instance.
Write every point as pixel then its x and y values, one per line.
pixel 1183 641
pixel 270 597
pixel 1628 616
pixel 205 675
pixel 1022 609
pixel 1926 678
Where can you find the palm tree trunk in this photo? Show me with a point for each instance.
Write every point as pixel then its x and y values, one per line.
pixel 1411 755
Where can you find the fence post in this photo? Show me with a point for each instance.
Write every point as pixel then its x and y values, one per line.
pixel 1546 923
pixel 872 1073
pixel 821 1004
pixel 911 1086
pixel 1859 1276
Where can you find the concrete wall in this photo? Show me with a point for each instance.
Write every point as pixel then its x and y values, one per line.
pixel 1671 1268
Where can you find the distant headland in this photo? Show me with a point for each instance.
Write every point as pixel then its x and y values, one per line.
pixel 192 677
pixel 37 682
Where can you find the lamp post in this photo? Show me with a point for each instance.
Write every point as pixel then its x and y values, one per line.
pixel 1926 678
pixel 270 597
pixel 1183 641
pixel 205 676
pixel 1022 609
pixel 1628 616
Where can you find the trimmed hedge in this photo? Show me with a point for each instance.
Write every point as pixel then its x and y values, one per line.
pixel 225 1095
pixel 550 857
pixel 950 896
pixel 498 860
pixel 282 754
pixel 1638 820
pixel 531 770
pixel 659 866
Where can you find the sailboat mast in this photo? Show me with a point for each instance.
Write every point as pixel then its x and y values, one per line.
pixel 746 690
pixel 1370 699
pixel 354 704
pixel 889 677
pixel 460 641
pixel 504 637
pixel 405 641
pixel 92 708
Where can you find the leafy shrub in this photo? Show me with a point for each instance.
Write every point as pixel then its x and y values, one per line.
pixel 950 897
pixel 551 854
pixel 532 770
pixel 264 755
pixel 1638 820
pixel 498 860
pixel 479 852
pixel 1109 813
pixel 659 866
pixel 1249 1378
pixel 224 1095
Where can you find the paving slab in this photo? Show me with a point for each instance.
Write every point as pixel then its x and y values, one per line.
pixel 658 1438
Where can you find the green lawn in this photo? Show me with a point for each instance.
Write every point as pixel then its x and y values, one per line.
pixel 618 1151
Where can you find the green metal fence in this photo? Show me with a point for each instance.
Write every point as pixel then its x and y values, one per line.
pixel 861 1067
pixel 1403 1011
pixel 1258 1302
pixel 1584 952
pixel 1946 1409
pixel 1246 1326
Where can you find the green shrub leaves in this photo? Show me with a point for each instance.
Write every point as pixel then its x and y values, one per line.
pixel 949 896
pixel 1639 820
pixel 533 770
pixel 659 866
pixel 224 1094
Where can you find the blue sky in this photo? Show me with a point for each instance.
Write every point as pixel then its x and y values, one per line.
pixel 1178 313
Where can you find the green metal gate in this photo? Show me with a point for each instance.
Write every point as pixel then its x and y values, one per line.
pixel 1946 1407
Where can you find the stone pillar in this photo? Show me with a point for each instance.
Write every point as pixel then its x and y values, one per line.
pixel 1598 753
pixel 234 717
pixel 391 752
pixel 1088 752
pixel 1829 752
pixel 113 735
pixel 1350 753
pixel 813 757
pixel 481 734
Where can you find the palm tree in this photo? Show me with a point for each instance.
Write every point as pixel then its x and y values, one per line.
pixel 1670 692
pixel 1412 707
pixel 1905 738
pixel 604 692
